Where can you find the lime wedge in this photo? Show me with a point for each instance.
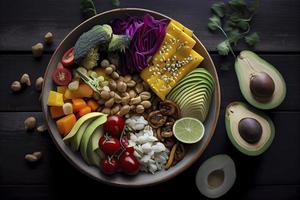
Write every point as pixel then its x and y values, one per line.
pixel 188 130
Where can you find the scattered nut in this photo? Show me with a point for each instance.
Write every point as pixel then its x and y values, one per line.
pixel 109 103
pixel 132 107
pixel 104 63
pixel 25 79
pixel 125 100
pixel 113 66
pixel 112 84
pixel 115 75
pixel 146 104
pixel 121 86
pixel 115 109
pixel 145 95
pixel 117 97
pixel 132 93
pixel 127 78
pixel 124 110
pixel 139 109
pixel 16 86
pixel 104 95
pixel 37 50
pixel 41 128
pixel 38 154
pixel 135 100
pixel 39 83
pixel 139 87
pixel 48 38
pixel 106 111
pixel 106 88
pixel 108 70
pixel 31 158
pixel 30 123
pixel 131 83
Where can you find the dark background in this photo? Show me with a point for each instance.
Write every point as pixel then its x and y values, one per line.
pixel 273 175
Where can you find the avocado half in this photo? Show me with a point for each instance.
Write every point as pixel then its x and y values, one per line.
pixel 247 65
pixel 216 176
pixel 236 113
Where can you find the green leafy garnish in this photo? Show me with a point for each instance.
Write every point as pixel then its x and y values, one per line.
pixel 233 20
pixel 87 8
pixel 218 9
pixel 252 39
pixel 115 3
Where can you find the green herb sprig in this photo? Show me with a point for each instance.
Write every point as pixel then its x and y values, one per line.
pixel 233 19
pixel 87 8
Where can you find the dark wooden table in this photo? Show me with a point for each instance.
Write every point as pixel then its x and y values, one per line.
pixel 273 175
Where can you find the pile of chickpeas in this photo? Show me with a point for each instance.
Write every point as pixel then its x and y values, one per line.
pixel 123 94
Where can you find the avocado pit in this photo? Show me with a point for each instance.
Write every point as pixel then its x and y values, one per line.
pixel 262 85
pixel 250 130
pixel 216 178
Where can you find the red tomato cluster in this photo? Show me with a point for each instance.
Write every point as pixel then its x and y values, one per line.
pixel 115 146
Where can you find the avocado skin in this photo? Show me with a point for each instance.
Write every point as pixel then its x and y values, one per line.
pixel 235 142
pixel 241 73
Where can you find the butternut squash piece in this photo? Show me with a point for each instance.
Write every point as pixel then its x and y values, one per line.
pixel 55 99
pixel 56 112
pixel 78 104
pixel 93 104
pixel 83 91
pixel 65 124
pixel 84 111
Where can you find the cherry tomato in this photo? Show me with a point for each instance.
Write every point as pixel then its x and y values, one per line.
pixel 68 58
pixel 109 145
pixel 114 125
pixel 129 163
pixel 109 165
pixel 130 150
pixel 61 75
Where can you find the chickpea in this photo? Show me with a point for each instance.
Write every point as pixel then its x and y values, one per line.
pixel 115 109
pixel 125 100
pixel 132 93
pixel 135 100
pixel 109 70
pixel 145 95
pixel 127 78
pixel 139 88
pixel 106 111
pixel 25 79
pixel 118 99
pixel 104 63
pixel 121 86
pixel 139 109
pixel 48 38
pixel 30 123
pixel 112 85
pixel 16 86
pixel 113 66
pixel 104 95
pixel 109 103
pixel 115 75
pixel 146 104
pixel 131 83
pixel 39 83
pixel 37 50
pixel 124 110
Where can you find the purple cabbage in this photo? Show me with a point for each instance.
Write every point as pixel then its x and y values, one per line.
pixel 146 35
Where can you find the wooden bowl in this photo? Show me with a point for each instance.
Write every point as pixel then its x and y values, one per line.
pixel 142 179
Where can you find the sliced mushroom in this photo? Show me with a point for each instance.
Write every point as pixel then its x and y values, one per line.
pixel 166 130
pixel 156 119
pixel 180 152
pixel 169 108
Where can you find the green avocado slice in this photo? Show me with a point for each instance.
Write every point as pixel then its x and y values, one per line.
pixel 247 64
pixel 87 135
pixel 235 112
pixel 94 154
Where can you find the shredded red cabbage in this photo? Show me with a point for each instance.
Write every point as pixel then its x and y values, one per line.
pixel 147 35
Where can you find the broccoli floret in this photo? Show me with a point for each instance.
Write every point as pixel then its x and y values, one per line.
pixel 91 59
pixel 119 42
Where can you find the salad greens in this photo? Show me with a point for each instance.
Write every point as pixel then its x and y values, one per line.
pixel 233 20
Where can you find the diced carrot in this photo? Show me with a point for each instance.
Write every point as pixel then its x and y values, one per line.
pixel 78 104
pixel 65 124
pixel 93 104
pixel 83 91
pixel 56 112
pixel 84 111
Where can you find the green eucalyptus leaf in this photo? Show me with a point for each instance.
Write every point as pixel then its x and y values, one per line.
pixel 234 36
pixel 244 25
pixel 218 9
